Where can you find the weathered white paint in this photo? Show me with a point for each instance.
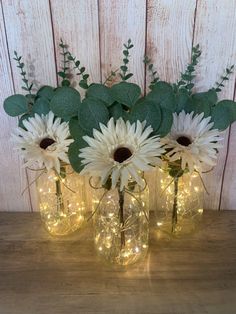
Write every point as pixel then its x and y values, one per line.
pixel 95 32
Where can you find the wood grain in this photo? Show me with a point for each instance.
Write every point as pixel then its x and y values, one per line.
pixel 119 21
pixel 95 32
pixel 29 32
pixel 228 197
pixel 76 22
pixel 71 20
pixel 63 275
pixel 169 44
pixel 170 26
pixel 218 51
pixel 13 178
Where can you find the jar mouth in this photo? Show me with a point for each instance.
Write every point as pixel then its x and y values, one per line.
pixel 121 154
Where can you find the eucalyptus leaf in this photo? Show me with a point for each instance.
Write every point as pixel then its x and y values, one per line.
pixel 41 106
pixel 166 122
pixel 162 94
pixel 65 103
pixel 182 99
pixel 126 93
pixel 15 105
pixel 147 111
pixel 210 97
pixel 116 111
pixel 229 105
pixel 101 92
pixel 91 113
pixel 75 130
pixel 221 116
pixel 73 154
pixel 198 107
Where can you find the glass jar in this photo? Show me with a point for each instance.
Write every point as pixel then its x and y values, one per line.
pixel 121 228
pixel 61 200
pixel 179 202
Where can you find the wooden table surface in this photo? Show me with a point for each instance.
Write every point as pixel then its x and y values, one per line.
pixel 40 274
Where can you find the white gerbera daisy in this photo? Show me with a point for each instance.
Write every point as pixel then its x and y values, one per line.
pixel 121 150
pixel 44 142
pixel 193 141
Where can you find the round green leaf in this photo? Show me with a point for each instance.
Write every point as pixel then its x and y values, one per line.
pixel 182 99
pixel 91 113
pixel 149 111
pixel 116 111
pixel 65 102
pixel 46 91
pixel 163 95
pixel 15 105
pixel 221 116
pixel 126 93
pixel 73 154
pixel 198 107
pixel 41 106
pixel 209 97
pixel 229 105
pixel 101 92
pixel 166 122
pixel 75 129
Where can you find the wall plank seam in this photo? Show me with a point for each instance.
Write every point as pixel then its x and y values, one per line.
pixel 194 22
pixel 226 158
pixel 54 43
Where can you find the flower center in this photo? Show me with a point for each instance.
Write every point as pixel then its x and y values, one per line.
pixel 46 142
pixel 183 140
pixel 121 154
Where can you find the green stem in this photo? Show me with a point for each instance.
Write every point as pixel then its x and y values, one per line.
pixel 121 214
pixel 60 204
pixel 175 204
pixel 112 74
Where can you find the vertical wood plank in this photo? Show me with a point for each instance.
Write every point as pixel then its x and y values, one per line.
pixel 29 31
pixel 119 21
pixel 170 25
pixel 169 36
pixel 76 22
pixel 214 22
pixel 13 178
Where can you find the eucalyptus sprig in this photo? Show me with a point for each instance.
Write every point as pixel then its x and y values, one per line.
pixel 81 71
pixel 21 66
pixel 150 67
pixel 124 68
pixel 111 76
pixel 224 77
pixel 187 77
pixel 64 72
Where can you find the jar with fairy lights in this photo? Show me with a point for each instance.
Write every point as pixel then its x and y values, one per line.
pixel 179 204
pixel 61 200
pixel 121 227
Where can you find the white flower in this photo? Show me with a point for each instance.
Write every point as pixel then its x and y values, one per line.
pixel 121 150
pixel 44 142
pixel 193 141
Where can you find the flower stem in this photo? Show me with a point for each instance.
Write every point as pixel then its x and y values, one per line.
pixel 175 204
pixel 121 214
pixel 60 204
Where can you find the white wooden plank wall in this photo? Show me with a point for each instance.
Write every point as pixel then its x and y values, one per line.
pixel 95 31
